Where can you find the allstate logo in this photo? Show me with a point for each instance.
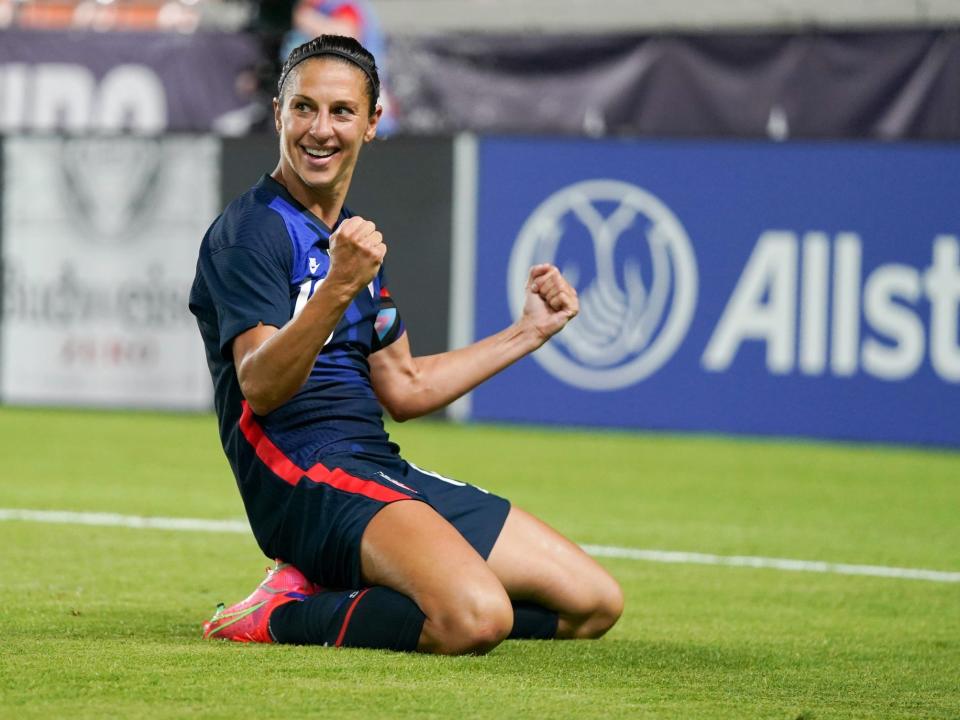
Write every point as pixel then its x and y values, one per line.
pixel 634 268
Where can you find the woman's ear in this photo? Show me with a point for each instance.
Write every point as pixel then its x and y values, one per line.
pixel 371 132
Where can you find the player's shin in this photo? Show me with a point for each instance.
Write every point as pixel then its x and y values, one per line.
pixel 374 617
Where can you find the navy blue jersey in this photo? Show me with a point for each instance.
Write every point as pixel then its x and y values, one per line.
pixel 260 262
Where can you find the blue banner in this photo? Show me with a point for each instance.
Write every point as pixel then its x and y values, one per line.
pixel 795 289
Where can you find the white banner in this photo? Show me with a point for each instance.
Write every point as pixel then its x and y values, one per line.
pixel 100 239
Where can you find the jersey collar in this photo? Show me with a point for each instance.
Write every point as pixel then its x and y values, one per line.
pixel 277 188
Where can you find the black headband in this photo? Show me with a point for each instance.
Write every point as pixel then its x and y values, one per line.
pixel 328 51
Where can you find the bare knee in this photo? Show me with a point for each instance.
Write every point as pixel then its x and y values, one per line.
pixel 601 613
pixel 476 624
pixel 608 610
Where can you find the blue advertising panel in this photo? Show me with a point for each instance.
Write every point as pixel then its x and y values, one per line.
pixel 796 289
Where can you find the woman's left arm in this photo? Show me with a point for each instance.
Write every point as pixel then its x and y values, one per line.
pixel 409 387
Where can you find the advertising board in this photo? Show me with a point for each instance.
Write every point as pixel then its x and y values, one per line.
pixel 100 239
pixel 795 289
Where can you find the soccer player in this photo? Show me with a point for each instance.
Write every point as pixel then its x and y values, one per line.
pixel 305 345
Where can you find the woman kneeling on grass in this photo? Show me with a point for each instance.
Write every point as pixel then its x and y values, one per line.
pixel 305 344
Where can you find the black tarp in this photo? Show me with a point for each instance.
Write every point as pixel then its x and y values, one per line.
pixel 895 84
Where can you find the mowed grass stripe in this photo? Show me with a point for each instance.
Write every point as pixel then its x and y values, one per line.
pixel 649 555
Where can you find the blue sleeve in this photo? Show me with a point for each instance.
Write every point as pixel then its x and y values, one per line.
pixel 247 288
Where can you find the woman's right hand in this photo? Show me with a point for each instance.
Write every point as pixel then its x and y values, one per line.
pixel 356 253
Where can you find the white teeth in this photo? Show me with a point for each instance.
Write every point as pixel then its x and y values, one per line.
pixel 319 153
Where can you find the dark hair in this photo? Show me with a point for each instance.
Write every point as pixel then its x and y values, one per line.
pixel 336 46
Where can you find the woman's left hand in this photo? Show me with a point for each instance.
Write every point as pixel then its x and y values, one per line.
pixel 551 301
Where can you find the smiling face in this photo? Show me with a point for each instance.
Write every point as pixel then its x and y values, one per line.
pixel 323 120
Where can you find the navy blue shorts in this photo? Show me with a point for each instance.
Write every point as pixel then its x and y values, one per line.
pixel 328 510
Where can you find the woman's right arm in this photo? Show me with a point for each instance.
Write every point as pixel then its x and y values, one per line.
pixel 273 363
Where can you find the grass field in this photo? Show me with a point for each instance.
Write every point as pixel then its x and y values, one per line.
pixel 104 621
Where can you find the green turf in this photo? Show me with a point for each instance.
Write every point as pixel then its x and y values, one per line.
pixel 103 622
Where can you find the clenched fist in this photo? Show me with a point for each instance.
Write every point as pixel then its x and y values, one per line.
pixel 551 302
pixel 356 252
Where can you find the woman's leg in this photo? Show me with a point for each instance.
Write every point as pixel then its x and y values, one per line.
pixel 410 548
pixel 536 564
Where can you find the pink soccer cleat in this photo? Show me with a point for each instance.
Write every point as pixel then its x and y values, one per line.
pixel 247 621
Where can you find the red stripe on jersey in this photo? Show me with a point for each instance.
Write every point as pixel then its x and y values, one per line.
pixel 288 471
pixel 348 483
pixel 346 619
pixel 271 456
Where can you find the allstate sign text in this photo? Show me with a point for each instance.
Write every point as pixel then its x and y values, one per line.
pixel 782 289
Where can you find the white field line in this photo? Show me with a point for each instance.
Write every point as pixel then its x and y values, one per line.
pixel 668 556
pixel 127 521
pixel 663 556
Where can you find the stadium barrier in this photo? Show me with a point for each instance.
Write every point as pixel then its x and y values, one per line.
pixel 787 289
pixel 140 82
pixel 885 84
pixel 882 84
